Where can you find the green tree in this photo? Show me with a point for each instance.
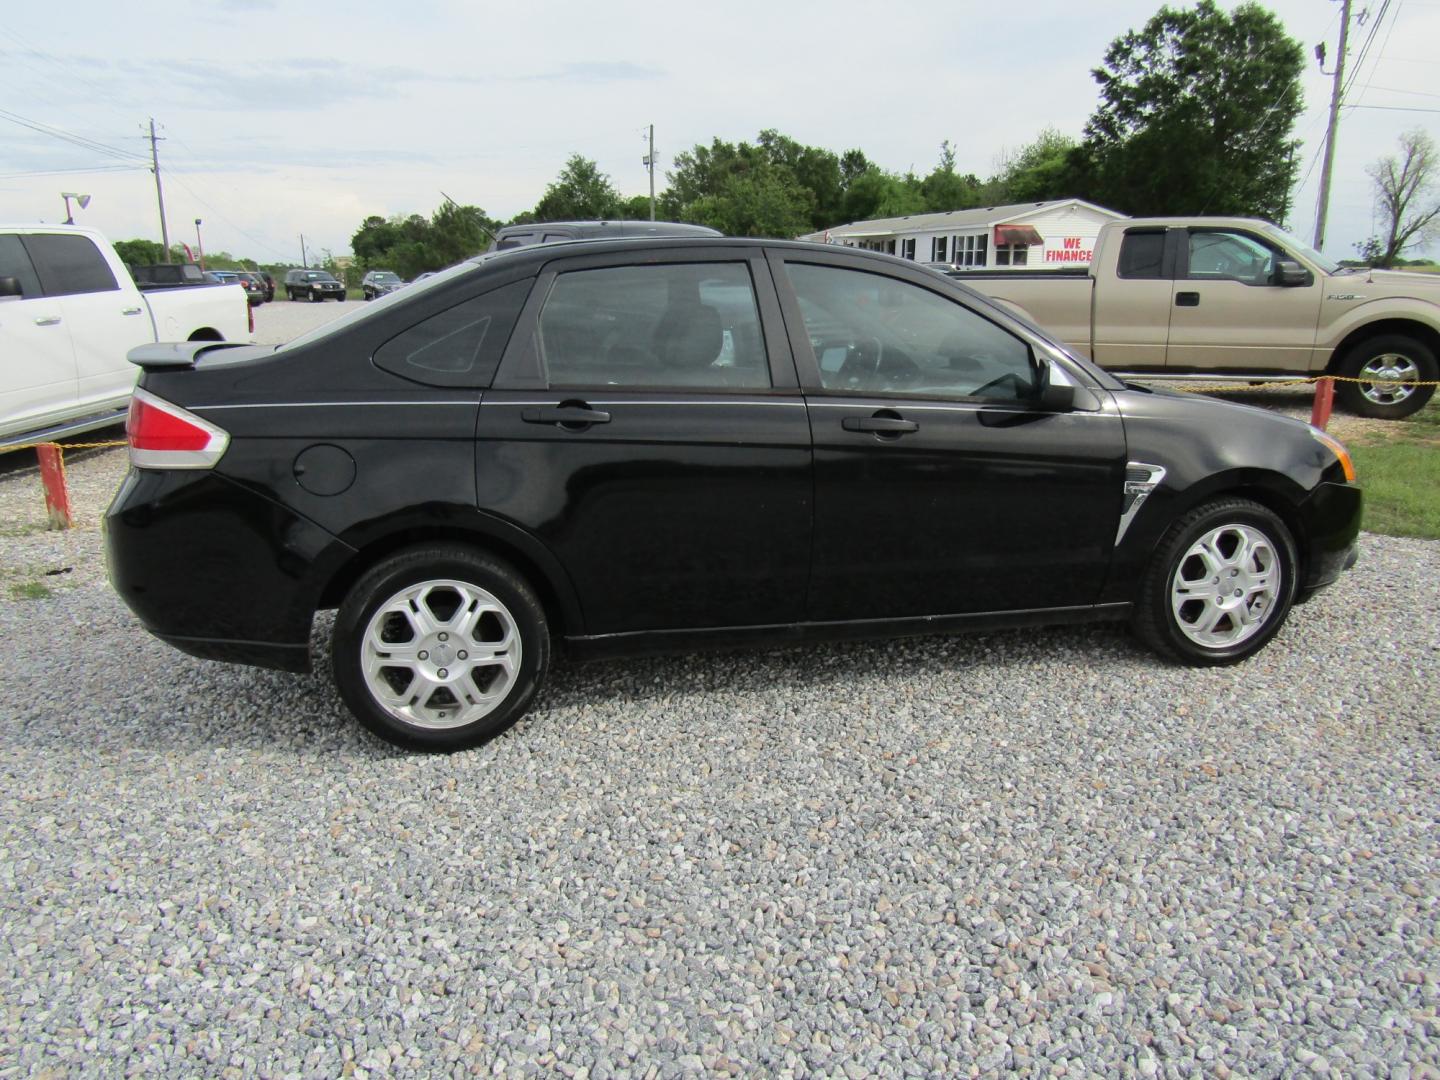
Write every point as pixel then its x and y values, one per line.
pixel 1041 169
pixel 412 244
pixel 945 189
pixel 1406 189
pixel 139 252
pixel 1196 115
pixel 580 193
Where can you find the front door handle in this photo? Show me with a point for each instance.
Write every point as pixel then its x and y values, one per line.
pixel 879 425
pixel 130 311
pixel 47 320
pixel 1187 299
pixel 569 416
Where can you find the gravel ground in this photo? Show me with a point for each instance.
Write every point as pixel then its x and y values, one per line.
pixel 1039 852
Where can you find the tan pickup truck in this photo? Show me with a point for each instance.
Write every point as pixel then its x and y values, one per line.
pixel 1197 298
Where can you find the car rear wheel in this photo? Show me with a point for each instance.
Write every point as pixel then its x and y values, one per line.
pixel 440 648
pixel 1384 365
pixel 1220 586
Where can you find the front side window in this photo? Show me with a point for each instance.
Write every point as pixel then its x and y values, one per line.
pixel 14 262
pixel 70 264
pixel 459 346
pixel 1227 256
pixel 873 334
pixel 667 325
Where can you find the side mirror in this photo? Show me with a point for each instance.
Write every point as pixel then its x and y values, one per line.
pixel 10 286
pixel 1290 274
pixel 1054 396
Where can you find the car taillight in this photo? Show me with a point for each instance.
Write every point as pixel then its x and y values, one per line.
pixel 165 436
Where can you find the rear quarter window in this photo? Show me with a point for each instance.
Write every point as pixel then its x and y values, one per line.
pixel 460 346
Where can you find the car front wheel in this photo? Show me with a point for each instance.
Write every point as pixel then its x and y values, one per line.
pixel 440 648
pixel 1220 585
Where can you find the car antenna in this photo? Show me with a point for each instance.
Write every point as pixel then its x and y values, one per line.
pixel 455 204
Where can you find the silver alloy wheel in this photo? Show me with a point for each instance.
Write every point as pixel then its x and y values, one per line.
pixel 440 654
pixel 1387 370
pixel 1225 587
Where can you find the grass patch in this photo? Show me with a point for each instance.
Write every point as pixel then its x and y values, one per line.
pixel 30 590
pixel 1400 472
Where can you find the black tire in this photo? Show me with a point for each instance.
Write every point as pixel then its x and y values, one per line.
pixel 1173 633
pixel 316 296
pixel 514 623
pixel 1398 353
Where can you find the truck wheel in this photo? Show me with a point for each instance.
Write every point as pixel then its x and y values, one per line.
pixel 440 647
pixel 1220 584
pixel 316 296
pixel 1383 363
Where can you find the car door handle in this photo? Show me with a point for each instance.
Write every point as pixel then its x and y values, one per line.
pixel 566 416
pixel 1187 299
pixel 879 425
pixel 47 320
pixel 130 311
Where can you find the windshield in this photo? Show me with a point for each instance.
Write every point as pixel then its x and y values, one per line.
pixel 386 276
pixel 1327 266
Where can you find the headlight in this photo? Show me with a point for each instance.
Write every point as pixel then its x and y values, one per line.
pixel 1336 447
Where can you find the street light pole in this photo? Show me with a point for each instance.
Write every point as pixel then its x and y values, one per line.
pixel 200 244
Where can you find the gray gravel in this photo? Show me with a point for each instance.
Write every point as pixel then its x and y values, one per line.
pixel 1040 852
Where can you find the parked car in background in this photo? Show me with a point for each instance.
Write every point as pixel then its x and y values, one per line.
pixel 661 444
pixel 269 280
pixel 254 286
pixel 1195 298
pixel 550 232
pixel 316 285
pixel 379 282
pixel 69 312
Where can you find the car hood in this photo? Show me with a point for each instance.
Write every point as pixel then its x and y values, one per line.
pixel 1377 283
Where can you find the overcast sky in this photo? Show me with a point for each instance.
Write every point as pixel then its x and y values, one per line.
pixel 282 117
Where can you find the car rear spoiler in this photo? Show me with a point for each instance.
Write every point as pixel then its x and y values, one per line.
pixel 179 354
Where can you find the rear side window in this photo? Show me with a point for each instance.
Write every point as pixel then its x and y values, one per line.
pixel 70 264
pixel 690 324
pixel 1142 256
pixel 459 346
pixel 14 262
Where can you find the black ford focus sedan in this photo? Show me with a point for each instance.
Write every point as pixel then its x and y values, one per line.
pixel 620 446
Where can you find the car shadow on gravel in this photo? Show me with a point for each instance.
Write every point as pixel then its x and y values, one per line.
pixel 209 705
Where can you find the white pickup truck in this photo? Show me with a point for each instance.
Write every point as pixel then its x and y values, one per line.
pixel 69 313
pixel 1207 297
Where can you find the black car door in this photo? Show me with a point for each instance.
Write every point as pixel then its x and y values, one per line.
pixel 942 486
pixel 646 424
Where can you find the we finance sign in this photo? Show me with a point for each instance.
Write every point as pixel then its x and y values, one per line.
pixel 1073 249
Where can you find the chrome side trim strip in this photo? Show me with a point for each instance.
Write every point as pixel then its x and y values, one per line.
pixel 580 394
pixel 324 404
pixel 1140 480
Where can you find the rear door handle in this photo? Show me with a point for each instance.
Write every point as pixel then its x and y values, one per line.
pixel 879 425
pixel 566 416
pixel 1187 299
pixel 130 311
pixel 47 320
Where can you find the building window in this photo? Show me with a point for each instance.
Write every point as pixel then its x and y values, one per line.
pixel 939 249
pixel 907 248
pixel 1011 255
pixel 970 250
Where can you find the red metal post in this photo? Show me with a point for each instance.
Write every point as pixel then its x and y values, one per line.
pixel 52 475
pixel 1324 401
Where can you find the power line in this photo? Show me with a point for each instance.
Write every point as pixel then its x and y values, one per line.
pixel 1397 90
pixel 83 141
pixel 63 172
pixel 1394 108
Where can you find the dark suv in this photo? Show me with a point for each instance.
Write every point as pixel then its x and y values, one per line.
pixel 314 285
pixel 632 445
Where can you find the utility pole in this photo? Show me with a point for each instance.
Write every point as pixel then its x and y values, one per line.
pixel 650 164
pixel 1330 132
pixel 159 191
pixel 303 261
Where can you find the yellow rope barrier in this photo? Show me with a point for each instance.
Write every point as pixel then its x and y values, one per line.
pixel 1280 384
pixel 65 446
